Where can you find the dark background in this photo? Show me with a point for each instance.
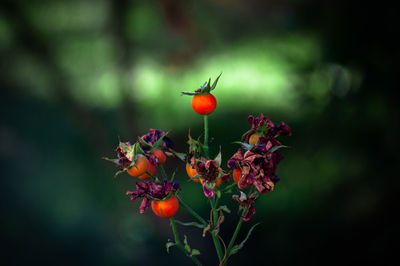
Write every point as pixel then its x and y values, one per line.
pixel 75 75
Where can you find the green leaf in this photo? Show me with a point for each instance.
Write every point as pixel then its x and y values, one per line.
pixel 173 176
pixel 246 145
pixel 144 143
pixel 215 82
pixel 236 248
pixel 190 224
pixel 218 193
pixel 169 244
pixel 158 144
pixel 185 242
pixel 116 161
pixel 118 173
pixel 195 252
pixel 277 147
pixel 179 155
pixel 189 93
pixel 124 147
pixel 195 146
pixel 218 158
pixel 224 208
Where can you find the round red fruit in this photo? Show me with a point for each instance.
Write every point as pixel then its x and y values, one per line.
pixel 204 104
pixel 165 208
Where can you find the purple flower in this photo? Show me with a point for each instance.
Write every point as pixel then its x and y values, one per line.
pixel 257 168
pixel 125 156
pixel 152 190
pixel 247 202
pixel 266 127
pixel 259 164
pixel 210 172
pixel 152 137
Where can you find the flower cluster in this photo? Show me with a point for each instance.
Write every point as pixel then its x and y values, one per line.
pixel 259 163
pixel 151 191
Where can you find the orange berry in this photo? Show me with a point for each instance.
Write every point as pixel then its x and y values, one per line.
pixel 254 139
pixel 140 166
pixel 236 175
pixel 204 104
pixel 160 155
pixel 191 172
pixel 151 169
pixel 165 208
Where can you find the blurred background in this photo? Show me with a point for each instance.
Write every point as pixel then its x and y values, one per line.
pixel 76 75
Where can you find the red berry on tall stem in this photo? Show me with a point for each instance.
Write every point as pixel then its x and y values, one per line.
pixel 204 104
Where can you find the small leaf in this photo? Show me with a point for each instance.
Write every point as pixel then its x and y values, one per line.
pixel 180 156
pixel 124 147
pixel 218 193
pixel 173 176
pixel 224 208
pixel 118 173
pixel 218 158
pixel 116 161
pixel 169 244
pixel 185 242
pixel 131 152
pixel 189 93
pixel 246 145
pixel 277 147
pixel 236 248
pixel 215 82
pixel 190 224
pixel 195 252
pixel 144 143
pixel 207 89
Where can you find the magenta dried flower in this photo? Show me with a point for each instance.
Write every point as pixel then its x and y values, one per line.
pixel 246 202
pixel 259 163
pixel 152 138
pixel 151 191
pixel 126 154
pixel 210 172
pixel 264 126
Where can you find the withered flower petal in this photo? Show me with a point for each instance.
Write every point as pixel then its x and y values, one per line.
pixel 207 191
pixel 152 137
pixel 246 202
pixel 210 172
pixel 144 205
pixel 153 190
pixel 259 164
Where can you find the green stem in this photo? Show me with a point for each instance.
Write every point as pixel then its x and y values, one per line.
pixel 163 173
pixel 232 242
pixel 217 244
pixel 152 176
pixel 203 222
pixel 229 187
pixel 179 244
pixel 206 151
pixel 189 209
